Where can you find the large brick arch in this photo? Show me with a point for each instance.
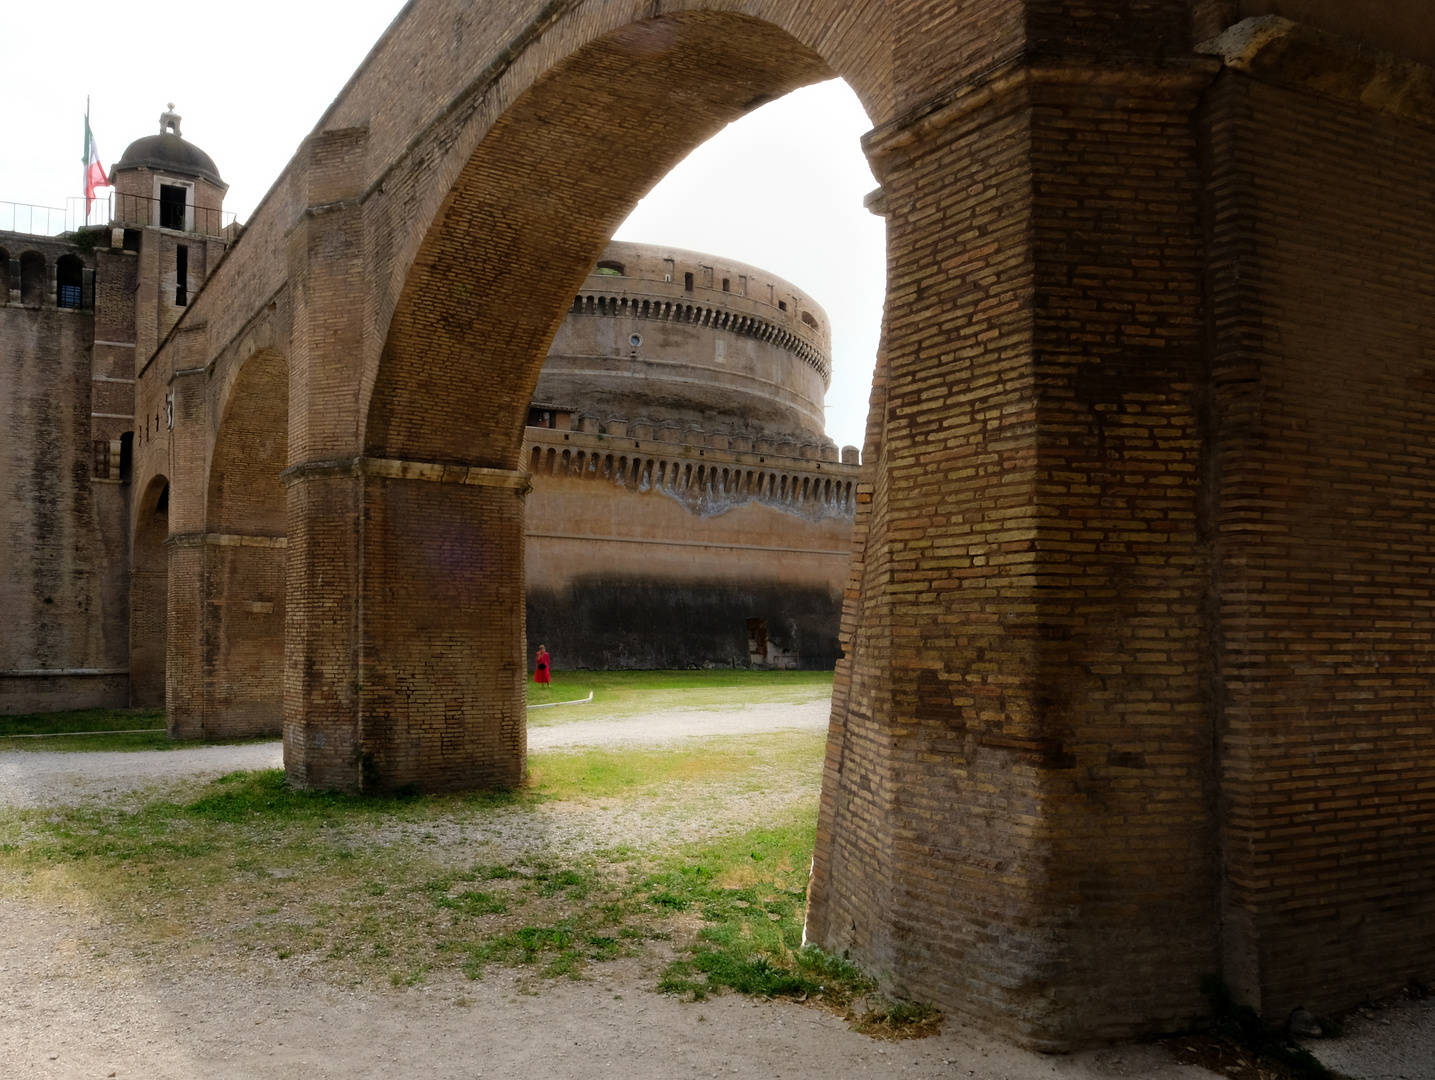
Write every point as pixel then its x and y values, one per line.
pixel 523 197
pixel 1091 738
pixel 527 217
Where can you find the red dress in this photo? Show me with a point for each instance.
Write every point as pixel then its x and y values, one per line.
pixel 540 667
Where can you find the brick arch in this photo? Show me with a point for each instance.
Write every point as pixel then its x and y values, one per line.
pixel 476 239
pixel 245 491
pixel 532 208
pixel 233 670
pixel 149 595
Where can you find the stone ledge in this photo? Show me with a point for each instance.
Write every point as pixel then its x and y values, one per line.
pixel 1277 50
pixel 397 469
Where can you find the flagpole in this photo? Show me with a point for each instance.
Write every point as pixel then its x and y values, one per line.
pixel 87 157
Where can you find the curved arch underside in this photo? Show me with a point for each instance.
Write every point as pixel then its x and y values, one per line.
pixel 532 210
pixel 250 451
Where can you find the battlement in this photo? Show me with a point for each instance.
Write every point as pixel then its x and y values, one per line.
pixel 705 479
pixel 649 306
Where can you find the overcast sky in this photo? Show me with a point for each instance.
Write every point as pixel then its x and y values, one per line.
pixel 781 189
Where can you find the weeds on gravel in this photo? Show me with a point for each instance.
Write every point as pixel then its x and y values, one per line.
pixel 750 892
pixel 245 871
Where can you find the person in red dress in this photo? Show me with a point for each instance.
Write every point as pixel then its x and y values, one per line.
pixel 540 665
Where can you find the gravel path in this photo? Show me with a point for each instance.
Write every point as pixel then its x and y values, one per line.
pixel 34 778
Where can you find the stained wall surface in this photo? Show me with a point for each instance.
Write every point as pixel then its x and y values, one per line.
pixel 687 508
pixel 64 586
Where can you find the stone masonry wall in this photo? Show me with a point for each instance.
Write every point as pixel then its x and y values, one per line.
pixel 1324 382
pixel 64 587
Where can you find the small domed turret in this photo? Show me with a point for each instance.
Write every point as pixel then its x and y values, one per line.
pixel 168 152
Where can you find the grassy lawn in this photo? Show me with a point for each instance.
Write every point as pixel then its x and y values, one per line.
pixel 615 694
pixel 627 693
pixel 96 729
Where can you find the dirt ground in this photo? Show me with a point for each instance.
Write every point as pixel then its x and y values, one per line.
pixel 75 1003
pixel 67 1011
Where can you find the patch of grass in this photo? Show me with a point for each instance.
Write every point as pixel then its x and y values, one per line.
pixel 621 772
pixel 102 730
pixel 244 870
pixel 620 693
pixel 81 720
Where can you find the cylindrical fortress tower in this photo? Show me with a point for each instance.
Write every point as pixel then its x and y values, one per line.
pixel 677 342
pixel 688 509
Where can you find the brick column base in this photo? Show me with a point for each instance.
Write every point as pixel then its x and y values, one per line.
pixel 405 630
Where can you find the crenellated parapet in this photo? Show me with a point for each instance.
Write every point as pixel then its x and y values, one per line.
pixel 705 480
pixel 708 350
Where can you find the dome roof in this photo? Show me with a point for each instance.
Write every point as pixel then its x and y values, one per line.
pixel 168 152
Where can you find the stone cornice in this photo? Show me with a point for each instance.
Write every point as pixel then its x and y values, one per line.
pixel 1295 55
pixel 436 472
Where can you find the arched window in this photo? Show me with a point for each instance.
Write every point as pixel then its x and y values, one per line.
pixel 32 279
pixel 69 282
pixel 609 269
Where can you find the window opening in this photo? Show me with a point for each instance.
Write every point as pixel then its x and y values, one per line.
pixel 181 275
pixel 69 282
pixel 171 207
pixel 688 282
pixel 727 284
pixel 782 305
pixel 127 456
pixel 809 319
pixel 610 269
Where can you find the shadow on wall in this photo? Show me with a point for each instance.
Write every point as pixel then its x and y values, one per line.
pixel 618 624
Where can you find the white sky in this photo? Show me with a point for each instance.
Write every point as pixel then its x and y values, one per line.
pixel 781 189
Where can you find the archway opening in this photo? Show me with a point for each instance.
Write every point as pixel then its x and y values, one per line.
pixel 632 574
pixel 149 596
pixel 441 665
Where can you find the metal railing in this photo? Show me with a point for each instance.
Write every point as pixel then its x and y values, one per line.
pixel 113 209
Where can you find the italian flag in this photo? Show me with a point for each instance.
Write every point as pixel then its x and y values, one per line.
pixel 94 171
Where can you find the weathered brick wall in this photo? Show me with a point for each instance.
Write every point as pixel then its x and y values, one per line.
pixel 1026 774
pixel 1324 313
pixel 63 587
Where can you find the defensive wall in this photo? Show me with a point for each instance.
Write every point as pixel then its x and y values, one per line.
pixel 1137 627
pixel 63 509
